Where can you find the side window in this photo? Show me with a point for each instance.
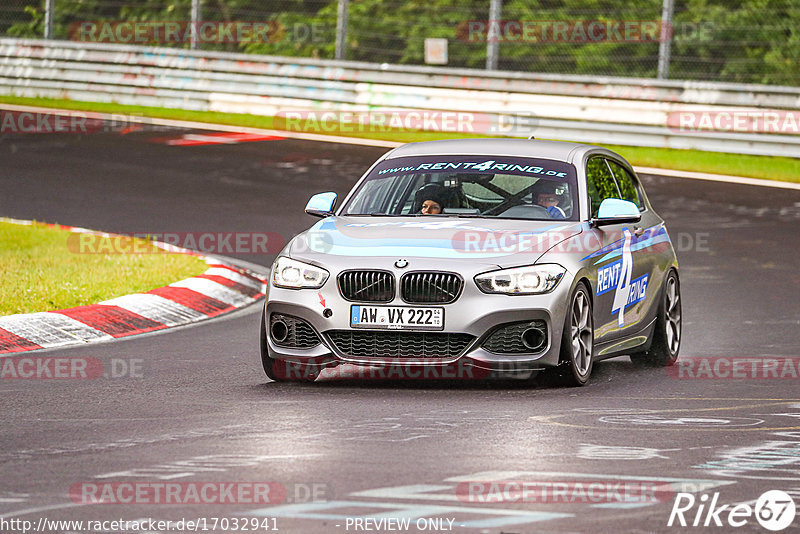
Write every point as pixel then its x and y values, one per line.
pixel 381 195
pixel 626 183
pixel 599 182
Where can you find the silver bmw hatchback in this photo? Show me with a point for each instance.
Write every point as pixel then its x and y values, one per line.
pixel 475 258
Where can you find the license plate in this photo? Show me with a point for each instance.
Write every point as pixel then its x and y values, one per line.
pixel 397 317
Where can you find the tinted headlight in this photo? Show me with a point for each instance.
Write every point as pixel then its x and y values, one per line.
pixel 296 274
pixel 528 280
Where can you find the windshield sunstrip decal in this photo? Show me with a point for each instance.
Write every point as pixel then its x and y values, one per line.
pixel 485 166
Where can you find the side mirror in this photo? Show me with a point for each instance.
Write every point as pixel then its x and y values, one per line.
pixel 617 211
pixel 321 204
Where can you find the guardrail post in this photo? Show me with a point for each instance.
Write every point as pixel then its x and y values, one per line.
pixel 194 44
pixel 665 39
pixel 48 19
pixel 341 30
pixel 493 34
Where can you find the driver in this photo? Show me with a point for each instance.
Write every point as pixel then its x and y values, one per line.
pixel 546 195
pixel 431 207
pixel 430 198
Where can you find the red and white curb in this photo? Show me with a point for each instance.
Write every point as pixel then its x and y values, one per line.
pixel 222 288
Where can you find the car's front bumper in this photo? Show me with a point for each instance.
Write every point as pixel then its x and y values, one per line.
pixel 474 313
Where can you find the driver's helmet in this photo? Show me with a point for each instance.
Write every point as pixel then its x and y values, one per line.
pixel 433 192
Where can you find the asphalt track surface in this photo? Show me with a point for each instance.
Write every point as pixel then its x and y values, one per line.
pixel 202 411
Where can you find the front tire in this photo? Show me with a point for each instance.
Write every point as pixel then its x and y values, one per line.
pixel 666 342
pixel 577 340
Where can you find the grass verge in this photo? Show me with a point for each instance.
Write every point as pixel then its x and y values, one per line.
pixel 41 272
pixel 765 167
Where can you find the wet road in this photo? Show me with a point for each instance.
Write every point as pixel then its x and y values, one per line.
pixel 341 449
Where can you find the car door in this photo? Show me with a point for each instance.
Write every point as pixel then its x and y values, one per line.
pixel 621 276
pixel 647 245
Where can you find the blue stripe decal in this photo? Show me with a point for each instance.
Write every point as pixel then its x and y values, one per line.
pixel 331 240
pixel 638 246
pixel 651 236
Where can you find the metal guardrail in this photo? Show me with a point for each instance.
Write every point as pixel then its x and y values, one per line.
pixel 622 111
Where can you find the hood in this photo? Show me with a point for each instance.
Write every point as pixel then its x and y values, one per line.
pixel 501 242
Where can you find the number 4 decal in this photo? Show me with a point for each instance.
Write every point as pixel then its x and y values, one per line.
pixel 623 290
pixel 627 291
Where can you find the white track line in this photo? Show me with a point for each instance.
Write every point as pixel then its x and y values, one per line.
pixel 717 178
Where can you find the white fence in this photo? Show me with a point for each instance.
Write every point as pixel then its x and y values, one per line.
pixel 624 111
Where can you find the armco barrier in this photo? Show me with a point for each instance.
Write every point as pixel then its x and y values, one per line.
pixel 625 111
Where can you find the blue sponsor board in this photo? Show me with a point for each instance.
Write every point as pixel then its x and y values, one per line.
pixel 636 291
pixel 608 277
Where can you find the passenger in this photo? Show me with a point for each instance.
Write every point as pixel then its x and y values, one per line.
pixel 546 195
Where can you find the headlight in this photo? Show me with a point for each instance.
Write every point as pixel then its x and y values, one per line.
pixel 521 280
pixel 296 274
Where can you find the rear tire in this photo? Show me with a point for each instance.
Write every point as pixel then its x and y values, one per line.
pixel 666 341
pixel 577 340
pixel 276 370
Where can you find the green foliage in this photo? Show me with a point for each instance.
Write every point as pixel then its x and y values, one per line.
pixel 747 41
pixel 32 28
pixel 600 183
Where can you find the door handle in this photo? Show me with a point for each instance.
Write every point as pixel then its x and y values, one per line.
pixel 638 231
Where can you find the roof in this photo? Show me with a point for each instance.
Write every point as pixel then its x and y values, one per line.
pixel 530 148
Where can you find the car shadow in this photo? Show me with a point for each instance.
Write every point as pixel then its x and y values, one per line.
pixel 618 372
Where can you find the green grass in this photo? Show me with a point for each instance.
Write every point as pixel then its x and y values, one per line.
pixel 41 270
pixel 766 167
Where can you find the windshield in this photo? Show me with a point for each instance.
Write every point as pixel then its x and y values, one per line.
pixel 468 186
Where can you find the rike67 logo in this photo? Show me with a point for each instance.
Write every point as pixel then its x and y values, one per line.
pixel 774 510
